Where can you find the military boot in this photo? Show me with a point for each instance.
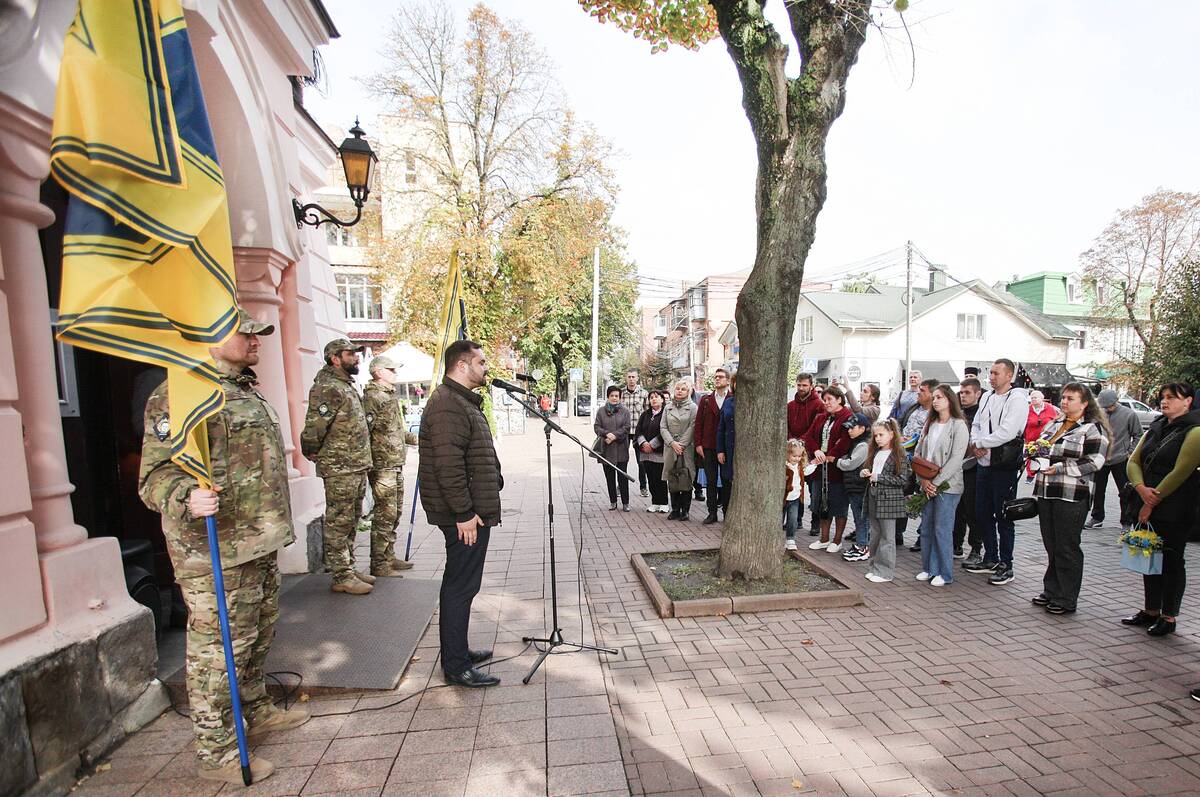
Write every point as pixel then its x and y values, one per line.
pixel 260 769
pixel 276 719
pixel 352 587
pixel 383 571
pixel 400 564
pixel 365 578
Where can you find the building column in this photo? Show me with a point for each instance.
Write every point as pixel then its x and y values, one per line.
pixel 77 574
pixel 259 274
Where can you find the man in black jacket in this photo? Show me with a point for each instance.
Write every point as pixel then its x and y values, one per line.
pixel 460 492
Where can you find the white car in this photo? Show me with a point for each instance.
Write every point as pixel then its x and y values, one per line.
pixel 1145 414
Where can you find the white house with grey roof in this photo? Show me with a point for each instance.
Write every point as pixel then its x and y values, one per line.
pixel 859 337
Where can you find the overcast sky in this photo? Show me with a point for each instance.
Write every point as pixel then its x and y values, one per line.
pixel 1027 126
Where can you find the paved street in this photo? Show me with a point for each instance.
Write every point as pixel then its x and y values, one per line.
pixel 967 690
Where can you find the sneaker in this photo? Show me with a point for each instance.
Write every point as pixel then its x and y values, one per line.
pixel 712 518
pixel 613 508
pixel 664 508
pixel 1195 693
pixel 980 567
pixel 1002 575
pixel 812 546
pixel 915 548
pixel 868 574
pixel 938 581
pixel 855 554
pixel 1093 524
pixel 813 532
pixel 260 769
pixel 877 579
pixel 645 492
pixel 958 552
pixel 974 558
pixel 922 576
pixel 624 507
pixel 1040 600
pixel 851 537
pixel 790 545
pixel 1058 608
pixel 652 508
pixel 833 547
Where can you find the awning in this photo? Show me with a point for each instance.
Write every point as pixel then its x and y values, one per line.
pixel 823 370
pixel 1045 374
pixel 936 369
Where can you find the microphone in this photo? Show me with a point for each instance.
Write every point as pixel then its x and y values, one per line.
pixel 524 377
pixel 500 383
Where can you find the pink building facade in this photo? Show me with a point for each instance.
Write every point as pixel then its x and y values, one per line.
pixel 77 652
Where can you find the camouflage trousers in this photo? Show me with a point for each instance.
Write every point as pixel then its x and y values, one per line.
pixel 344 495
pixel 387 488
pixel 252 600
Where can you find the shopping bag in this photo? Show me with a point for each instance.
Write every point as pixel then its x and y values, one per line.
pixel 1140 560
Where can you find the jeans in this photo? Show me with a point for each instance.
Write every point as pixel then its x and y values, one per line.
pixel 654 480
pixel 1117 470
pixel 937 535
pixel 791 516
pixel 616 482
pixel 1164 593
pixel 966 523
pixel 717 497
pixel 460 584
pixel 993 487
pixel 637 455
pixel 1061 523
pixel 862 526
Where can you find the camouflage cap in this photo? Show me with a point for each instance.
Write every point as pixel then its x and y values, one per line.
pixel 251 325
pixel 339 345
pixel 381 361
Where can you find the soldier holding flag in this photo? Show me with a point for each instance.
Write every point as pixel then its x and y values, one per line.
pixel 389 449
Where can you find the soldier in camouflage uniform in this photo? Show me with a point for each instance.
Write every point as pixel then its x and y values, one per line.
pixel 389 436
pixel 254 520
pixel 335 437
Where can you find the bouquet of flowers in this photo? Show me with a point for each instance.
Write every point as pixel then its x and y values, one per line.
pixel 1037 448
pixel 914 505
pixel 1143 550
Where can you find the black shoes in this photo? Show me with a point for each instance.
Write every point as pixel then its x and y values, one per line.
pixel 1195 693
pixel 1058 608
pixel 915 547
pixel 683 516
pixel 1002 575
pixel 711 519
pixel 979 567
pixel 1093 524
pixel 473 678
pixel 1161 627
pixel 613 508
pixel 674 515
pixel 1040 600
pixel 479 656
pixel 1141 618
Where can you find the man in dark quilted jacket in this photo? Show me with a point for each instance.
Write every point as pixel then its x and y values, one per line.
pixel 460 492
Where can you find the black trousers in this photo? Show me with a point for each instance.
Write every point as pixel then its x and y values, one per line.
pixel 654 480
pixel 716 498
pixel 814 510
pixel 460 585
pixel 1164 593
pixel 637 455
pixel 1117 471
pixel 965 525
pixel 1061 523
pixel 616 482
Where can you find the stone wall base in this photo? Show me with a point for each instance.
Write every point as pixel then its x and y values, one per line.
pixel 62 710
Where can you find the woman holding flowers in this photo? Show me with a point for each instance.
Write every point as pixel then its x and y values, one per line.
pixel 1162 469
pixel 1071 450
pixel 939 454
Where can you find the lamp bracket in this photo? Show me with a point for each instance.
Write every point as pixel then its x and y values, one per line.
pixel 311 213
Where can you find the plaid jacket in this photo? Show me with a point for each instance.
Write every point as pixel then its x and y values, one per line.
pixel 1076 456
pixel 636 402
pixel 885 497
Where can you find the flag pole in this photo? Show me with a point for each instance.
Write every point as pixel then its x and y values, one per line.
pixel 227 642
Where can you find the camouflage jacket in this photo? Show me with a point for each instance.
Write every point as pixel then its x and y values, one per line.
pixel 335 427
pixel 254 516
pixel 385 421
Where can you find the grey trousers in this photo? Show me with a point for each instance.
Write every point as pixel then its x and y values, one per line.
pixel 882 550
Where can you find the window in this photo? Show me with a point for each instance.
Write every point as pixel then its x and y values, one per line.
pixel 1101 293
pixel 410 167
pixel 804 328
pixel 361 301
pixel 337 236
pixel 1074 291
pixel 972 326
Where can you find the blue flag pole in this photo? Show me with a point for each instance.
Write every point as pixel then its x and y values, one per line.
pixel 223 615
pixel 412 520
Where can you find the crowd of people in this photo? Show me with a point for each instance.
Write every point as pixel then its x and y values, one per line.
pixel 948 456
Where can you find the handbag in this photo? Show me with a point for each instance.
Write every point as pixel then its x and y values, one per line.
pixel 1142 560
pixel 598 446
pixel 1019 508
pixel 925 469
pixel 1007 455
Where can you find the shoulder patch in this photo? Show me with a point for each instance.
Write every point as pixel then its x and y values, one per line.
pixel 162 428
pixel 323 411
pixel 370 417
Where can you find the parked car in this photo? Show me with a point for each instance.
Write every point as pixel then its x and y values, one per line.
pixel 583 405
pixel 1145 414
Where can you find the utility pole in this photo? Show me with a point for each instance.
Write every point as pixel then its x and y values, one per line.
pixel 595 328
pixel 908 250
pixel 691 343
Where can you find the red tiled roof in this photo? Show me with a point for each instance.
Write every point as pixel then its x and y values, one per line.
pixel 368 336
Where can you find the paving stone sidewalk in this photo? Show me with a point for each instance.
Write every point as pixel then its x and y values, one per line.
pixel 966 690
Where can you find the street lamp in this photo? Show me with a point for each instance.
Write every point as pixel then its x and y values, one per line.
pixel 358 162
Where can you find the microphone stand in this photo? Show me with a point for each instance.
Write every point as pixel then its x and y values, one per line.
pixel 556 638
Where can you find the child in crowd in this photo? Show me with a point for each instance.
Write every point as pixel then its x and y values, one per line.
pixel 858 426
pixel 793 496
pixel 887 474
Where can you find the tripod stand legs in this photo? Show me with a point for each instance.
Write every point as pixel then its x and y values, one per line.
pixel 555 640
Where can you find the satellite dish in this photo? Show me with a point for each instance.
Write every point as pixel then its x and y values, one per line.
pixel 538 373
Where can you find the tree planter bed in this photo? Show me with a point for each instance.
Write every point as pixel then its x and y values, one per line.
pixel 683 584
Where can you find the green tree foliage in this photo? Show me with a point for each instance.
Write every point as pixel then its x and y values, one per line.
pixel 1176 355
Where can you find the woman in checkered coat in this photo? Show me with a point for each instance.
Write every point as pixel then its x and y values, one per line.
pixel 1077 441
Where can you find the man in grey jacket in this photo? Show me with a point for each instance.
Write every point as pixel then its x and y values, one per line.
pixel 1126 432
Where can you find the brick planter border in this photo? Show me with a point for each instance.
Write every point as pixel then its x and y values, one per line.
pixel 719 607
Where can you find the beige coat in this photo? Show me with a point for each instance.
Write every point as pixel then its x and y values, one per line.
pixel 679 426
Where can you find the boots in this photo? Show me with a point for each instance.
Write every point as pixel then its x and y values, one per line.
pixel 687 504
pixel 260 769
pixel 352 587
pixel 676 507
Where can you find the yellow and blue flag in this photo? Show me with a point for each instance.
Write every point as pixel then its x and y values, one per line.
pixel 147 255
pixel 453 321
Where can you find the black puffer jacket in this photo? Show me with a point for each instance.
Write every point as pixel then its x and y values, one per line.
pixel 459 470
